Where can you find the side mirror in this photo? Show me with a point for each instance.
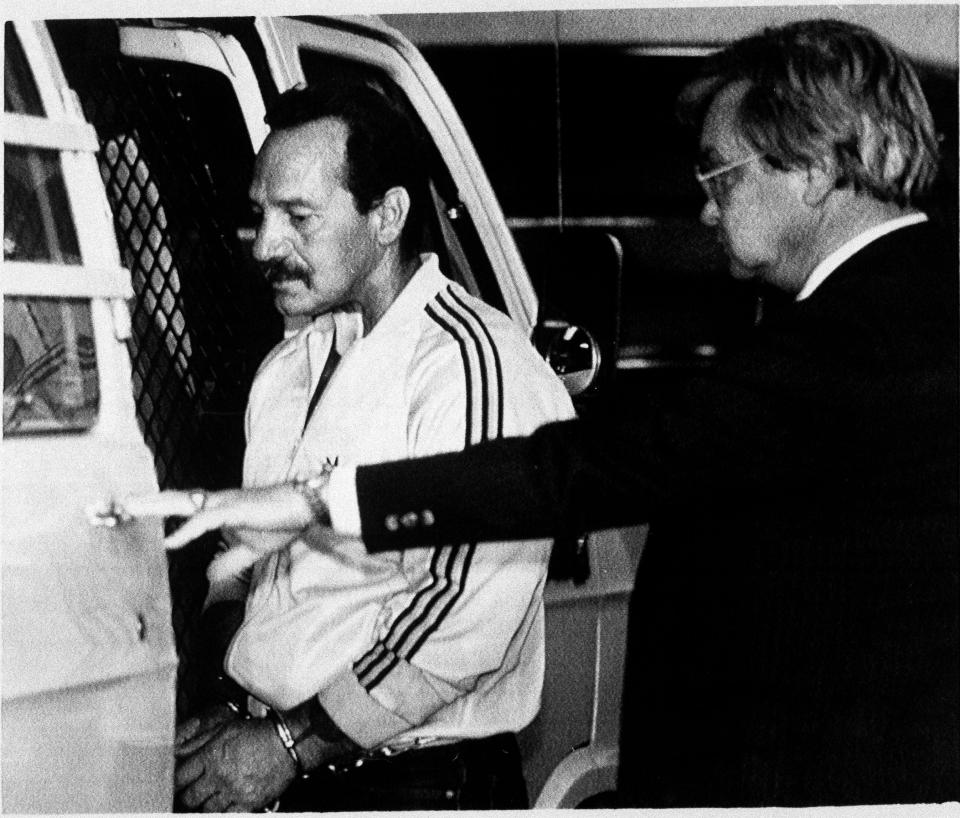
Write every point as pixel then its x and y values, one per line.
pixel 572 352
pixel 577 277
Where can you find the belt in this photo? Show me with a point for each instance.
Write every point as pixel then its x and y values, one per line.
pixel 355 761
pixel 472 773
pixel 430 750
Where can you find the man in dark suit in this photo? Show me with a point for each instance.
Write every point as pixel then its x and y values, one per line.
pixel 794 630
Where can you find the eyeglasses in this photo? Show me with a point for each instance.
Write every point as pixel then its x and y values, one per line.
pixel 715 182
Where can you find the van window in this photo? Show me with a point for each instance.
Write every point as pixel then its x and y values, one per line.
pixel 37 225
pixel 49 366
pixel 49 361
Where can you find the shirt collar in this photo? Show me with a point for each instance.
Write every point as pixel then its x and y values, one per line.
pixel 425 283
pixel 348 325
pixel 842 253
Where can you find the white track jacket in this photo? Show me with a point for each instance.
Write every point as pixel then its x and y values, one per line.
pixel 427 644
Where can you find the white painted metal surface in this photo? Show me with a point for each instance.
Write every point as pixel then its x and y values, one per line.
pixel 88 654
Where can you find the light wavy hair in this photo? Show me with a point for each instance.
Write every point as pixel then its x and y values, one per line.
pixel 828 94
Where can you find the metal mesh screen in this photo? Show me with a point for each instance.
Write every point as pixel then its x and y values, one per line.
pixel 175 160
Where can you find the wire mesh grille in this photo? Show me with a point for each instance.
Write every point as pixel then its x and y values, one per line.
pixel 164 368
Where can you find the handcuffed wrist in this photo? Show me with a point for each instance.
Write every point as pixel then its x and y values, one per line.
pixel 316 737
pixel 289 744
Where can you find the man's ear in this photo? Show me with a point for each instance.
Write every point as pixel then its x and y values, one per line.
pixel 390 215
pixel 820 182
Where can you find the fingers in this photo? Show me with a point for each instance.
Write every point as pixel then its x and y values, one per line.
pixel 234 536
pixel 219 803
pixel 187 743
pixel 186 731
pixel 196 526
pixel 204 796
pixel 193 795
pixel 193 733
pixel 186 773
pixel 280 509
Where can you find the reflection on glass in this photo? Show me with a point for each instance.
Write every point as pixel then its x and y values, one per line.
pixel 37 221
pixel 49 366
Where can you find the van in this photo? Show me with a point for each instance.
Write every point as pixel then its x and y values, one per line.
pixel 144 150
pixel 134 322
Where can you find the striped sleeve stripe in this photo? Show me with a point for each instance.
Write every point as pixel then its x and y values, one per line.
pixel 468 338
pixel 376 670
pixel 378 653
pixel 474 334
pixel 451 571
pixel 465 356
pixel 448 576
pixel 450 565
pixel 414 638
pixel 493 354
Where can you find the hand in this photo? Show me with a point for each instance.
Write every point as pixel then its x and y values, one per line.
pixel 243 767
pixel 197 731
pixel 279 508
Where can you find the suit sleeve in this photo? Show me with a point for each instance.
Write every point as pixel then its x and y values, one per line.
pixel 696 449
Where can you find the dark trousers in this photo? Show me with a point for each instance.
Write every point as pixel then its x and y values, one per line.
pixel 471 774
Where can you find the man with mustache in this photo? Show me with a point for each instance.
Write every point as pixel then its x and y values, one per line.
pixel 794 633
pixel 373 681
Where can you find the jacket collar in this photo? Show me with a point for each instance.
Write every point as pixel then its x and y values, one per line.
pixel 855 245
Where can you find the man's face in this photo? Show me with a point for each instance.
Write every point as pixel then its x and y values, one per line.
pixel 317 250
pixel 762 221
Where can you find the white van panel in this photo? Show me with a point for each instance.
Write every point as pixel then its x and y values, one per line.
pixel 88 655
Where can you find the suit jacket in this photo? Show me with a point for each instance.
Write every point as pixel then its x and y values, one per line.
pixel 794 629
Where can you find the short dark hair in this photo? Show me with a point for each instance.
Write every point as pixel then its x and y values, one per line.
pixel 826 92
pixel 383 148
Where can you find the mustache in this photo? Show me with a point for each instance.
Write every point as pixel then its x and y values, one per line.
pixel 278 271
